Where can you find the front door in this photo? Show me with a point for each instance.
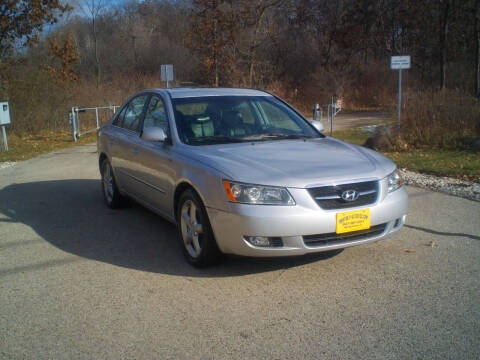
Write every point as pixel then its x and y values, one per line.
pixel 154 166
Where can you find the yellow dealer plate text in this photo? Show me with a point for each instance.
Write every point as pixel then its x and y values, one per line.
pixel 353 221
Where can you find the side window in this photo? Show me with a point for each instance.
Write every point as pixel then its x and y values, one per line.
pixel 119 118
pixel 156 114
pixel 133 113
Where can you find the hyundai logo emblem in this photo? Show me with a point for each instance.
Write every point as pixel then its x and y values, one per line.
pixel 350 195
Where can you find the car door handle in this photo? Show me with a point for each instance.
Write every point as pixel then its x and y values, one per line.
pixel 135 150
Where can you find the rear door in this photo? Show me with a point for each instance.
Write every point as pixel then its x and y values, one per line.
pixel 126 149
pixel 111 134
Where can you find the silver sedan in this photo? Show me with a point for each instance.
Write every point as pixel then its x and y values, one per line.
pixel 242 172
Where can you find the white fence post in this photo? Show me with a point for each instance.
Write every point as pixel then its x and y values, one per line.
pixel 96 116
pixel 5 141
pixel 74 127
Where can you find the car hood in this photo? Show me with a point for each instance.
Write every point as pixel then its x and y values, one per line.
pixel 294 163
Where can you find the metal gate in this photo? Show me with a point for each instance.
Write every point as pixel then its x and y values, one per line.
pixel 335 106
pixel 91 120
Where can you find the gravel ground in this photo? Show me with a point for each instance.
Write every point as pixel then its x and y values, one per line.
pixel 465 189
pixel 6 164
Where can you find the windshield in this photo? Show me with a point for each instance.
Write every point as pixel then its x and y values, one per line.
pixel 210 120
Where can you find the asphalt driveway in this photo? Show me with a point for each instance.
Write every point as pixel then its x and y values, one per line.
pixel 81 281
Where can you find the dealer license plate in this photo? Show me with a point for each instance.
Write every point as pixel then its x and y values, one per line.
pixel 353 221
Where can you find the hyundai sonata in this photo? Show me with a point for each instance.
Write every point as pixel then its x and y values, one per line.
pixel 242 172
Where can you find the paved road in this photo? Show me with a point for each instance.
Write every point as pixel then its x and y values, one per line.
pixel 80 281
pixel 345 120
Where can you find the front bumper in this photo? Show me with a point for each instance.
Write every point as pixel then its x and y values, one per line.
pixel 291 223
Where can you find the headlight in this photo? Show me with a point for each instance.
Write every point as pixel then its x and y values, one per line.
pixel 394 181
pixel 257 194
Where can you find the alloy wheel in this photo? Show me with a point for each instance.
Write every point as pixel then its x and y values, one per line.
pixel 192 229
pixel 108 182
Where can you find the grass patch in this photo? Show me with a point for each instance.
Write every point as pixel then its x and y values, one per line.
pixel 22 147
pixel 441 162
pixel 353 136
pixel 454 163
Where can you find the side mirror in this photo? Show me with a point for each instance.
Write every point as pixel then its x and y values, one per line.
pixel 154 134
pixel 317 125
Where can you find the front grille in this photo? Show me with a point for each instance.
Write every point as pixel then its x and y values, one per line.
pixel 330 197
pixel 338 239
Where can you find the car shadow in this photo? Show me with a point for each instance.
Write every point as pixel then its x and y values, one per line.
pixel 443 233
pixel 71 215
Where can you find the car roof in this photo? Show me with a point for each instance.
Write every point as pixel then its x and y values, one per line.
pixel 196 92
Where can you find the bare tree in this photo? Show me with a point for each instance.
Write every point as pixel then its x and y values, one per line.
pixel 253 14
pixel 444 13
pixel 477 47
pixel 213 35
pixel 93 9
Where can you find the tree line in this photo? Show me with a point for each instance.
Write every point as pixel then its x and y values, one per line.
pixel 305 50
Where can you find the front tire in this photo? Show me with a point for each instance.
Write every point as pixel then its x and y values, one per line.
pixel 196 236
pixel 110 191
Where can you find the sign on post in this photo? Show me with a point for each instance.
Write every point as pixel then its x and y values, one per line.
pixel 4 120
pixel 166 72
pixel 400 63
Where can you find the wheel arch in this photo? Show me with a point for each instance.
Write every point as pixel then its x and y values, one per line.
pixel 181 187
pixel 214 252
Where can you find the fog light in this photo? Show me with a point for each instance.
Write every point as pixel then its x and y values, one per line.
pixel 263 241
pixel 258 240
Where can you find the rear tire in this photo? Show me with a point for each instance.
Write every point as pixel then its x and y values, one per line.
pixel 111 194
pixel 195 232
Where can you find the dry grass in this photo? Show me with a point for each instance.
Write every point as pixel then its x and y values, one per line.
pixel 447 120
pixel 39 104
pixel 23 147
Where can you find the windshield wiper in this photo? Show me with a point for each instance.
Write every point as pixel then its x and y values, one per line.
pixel 216 138
pixel 277 136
